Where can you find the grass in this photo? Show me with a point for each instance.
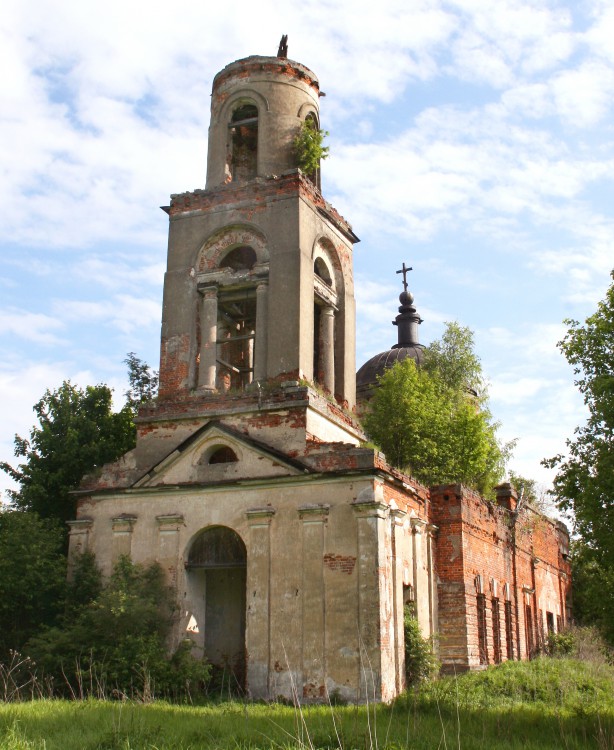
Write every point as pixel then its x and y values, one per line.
pixel 548 703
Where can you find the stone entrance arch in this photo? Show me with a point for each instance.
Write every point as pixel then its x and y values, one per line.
pixel 216 574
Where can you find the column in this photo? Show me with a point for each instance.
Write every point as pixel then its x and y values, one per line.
pixel 430 540
pixel 314 518
pixel 78 540
pixel 208 337
pixel 327 348
pixel 397 517
pixel 258 605
pixel 122 527
pixel 371 564
pixel 421 593
pixel 169 526
pixel 260 353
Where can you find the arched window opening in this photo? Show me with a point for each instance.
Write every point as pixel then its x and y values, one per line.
pixel 321 270
pixel 240 259
pixel 314 176
pixel 236 336
pixel 223 455
pixel 217 547
pixel 244 143
pixel 324 345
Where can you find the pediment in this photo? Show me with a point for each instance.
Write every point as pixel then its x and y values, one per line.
pixel 219 454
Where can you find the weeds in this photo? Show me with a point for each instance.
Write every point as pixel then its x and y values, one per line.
pixel 546 704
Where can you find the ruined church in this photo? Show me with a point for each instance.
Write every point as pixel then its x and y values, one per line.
pixel 292 549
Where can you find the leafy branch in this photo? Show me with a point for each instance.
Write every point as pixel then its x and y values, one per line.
pixel 308 146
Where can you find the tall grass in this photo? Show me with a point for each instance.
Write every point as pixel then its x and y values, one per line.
pixel 545 704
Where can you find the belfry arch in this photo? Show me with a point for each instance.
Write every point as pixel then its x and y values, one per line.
pixel 216 566
pixel 232 280
pixel 328 316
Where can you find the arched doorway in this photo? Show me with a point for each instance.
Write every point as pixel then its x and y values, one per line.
pixel 216 569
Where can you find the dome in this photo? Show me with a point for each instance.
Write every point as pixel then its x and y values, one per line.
pixel 366 377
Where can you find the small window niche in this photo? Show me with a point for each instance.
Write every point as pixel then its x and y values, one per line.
pixel 240 259
pixel 244 143
pixel 223 454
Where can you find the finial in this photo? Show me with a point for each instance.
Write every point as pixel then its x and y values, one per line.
pixel 405 270
pixel 283 47
pixel 408 319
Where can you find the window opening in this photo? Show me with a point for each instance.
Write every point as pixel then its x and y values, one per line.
pixel 240 259
pixel 550 622
pixel 482 640
pixel 244 143
pixel 315 175
pixel 509 633
pixel 496 631
pixel 321 270
pixel 236 337
pixel 540 630
pixel 317 343
pixel 223 455
pixel 409 595
pixel 528 616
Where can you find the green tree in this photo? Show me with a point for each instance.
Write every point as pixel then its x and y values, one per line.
pixel 420 661
pixel 117 634
pixel 143 382
pixel 584 483
pixel 434 420
pixel 32 577
pixel 593 584
pixel 84 585
pixel 453 359
pixel 532 492
pixel 77 431
pixel 435 431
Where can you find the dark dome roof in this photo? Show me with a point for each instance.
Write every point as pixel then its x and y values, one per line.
pixel 366 377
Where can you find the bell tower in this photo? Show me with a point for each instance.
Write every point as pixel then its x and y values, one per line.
pixel 259 283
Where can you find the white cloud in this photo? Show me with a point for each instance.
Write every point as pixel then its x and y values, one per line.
pixel 583 96
pixel 517 391
pixel 498 41
pixel 601 32
pixel 29 326
pixel 121 272
pixel 123 312
pixel 455 166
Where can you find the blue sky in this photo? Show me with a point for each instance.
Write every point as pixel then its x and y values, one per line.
pixel 471 139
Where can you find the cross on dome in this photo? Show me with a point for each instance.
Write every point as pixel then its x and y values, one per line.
pixel 405 270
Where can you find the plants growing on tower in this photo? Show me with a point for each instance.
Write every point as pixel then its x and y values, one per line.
pixel 308 146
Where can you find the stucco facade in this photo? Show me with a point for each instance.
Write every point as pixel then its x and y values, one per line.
pixel 292 549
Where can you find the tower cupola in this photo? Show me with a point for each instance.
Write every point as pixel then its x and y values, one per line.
pixel 408 344
pixel 257 107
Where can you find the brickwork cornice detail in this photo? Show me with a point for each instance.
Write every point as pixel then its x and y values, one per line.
pixel 261 189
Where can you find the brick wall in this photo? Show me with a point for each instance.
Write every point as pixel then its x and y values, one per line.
pixel 487 549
